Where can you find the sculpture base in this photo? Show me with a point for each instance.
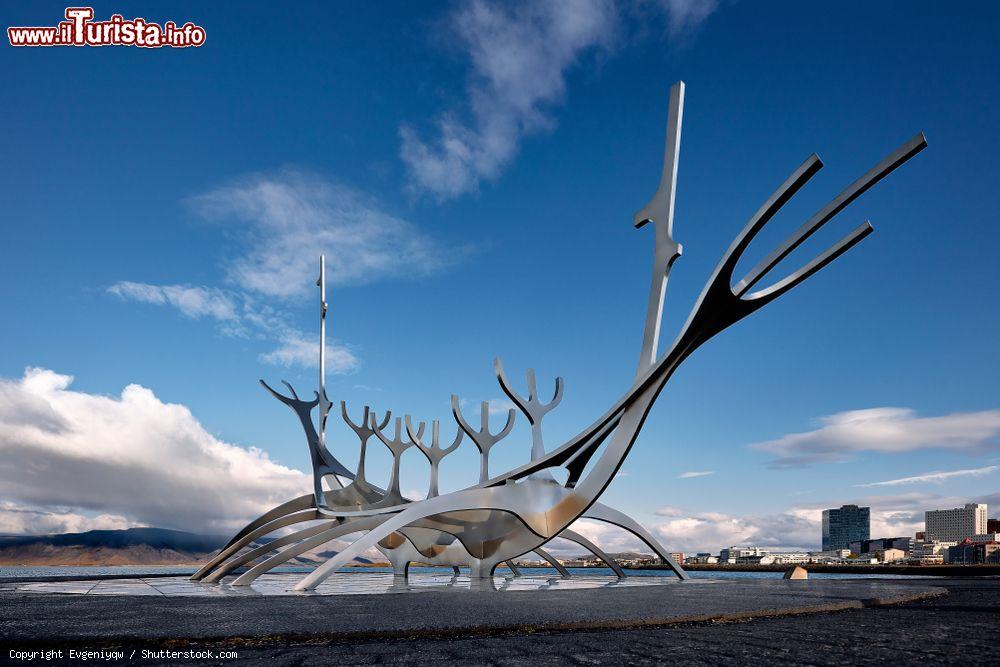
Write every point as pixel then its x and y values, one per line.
pixel 164 608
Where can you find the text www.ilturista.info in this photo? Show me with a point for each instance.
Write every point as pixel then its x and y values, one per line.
pixel 79 29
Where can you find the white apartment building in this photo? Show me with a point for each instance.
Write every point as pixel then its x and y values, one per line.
pixel 790 558
pixel 731 554
pixel 956 524
pixel 929 553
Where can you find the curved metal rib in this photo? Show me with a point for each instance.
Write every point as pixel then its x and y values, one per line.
pixel 260 531
pixel 553 562
pixel 601 512
pixel 594 549
pixel 254 554
pixel 293 505
pixel 320 539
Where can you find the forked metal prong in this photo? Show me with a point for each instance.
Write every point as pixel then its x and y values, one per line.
pixel 291 389
pixel 531 406
pixel 363 427
pixel 483 439
pixel 833 252
pixel 765 213
pixel 416 438
pixel 828 212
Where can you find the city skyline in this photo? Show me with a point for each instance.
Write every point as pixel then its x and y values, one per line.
pixel 468 215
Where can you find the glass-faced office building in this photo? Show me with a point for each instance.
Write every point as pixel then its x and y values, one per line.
pixel 842 526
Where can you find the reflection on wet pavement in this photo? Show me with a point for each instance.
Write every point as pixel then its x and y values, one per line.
pixel 342 583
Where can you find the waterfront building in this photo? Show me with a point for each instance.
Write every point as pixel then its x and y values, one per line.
pixel 844 525
pixel 955 525
pixel 880 544
pixel 732 554
pixel 974 553
pixel 890 555
pixel 833 553
pixel 929 552
pixel 754 560
pixel 790 558
pixel 705 559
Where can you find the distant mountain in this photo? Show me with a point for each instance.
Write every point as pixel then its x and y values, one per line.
pixel 133 546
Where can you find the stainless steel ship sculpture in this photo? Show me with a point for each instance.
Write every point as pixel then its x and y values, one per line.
pixel 505 516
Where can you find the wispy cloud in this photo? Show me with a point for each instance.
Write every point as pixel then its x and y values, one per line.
pixel 935 476
pixel 695 473
pixel 684 16
pixel 287 218
pixel 129 459
pixel 284 221
pixel 301 351
pixel 191 300
pixel 240 315
pixel 885 430
pixel 519 55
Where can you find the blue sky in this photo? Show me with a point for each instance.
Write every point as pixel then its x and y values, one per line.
pixel 472 170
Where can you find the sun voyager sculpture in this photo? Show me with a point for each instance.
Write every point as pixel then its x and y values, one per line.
pixel 505 516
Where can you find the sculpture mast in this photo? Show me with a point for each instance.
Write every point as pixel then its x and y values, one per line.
pixel 324 403
pixel 660 211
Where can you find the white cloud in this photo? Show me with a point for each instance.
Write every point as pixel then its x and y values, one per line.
pixel 192 300
pixel 686 15
pixel 796 529
pixel 519 55
pixel 18 520
pixel 298 350
pixel 695 473
pixel 287 219
pixel 241 315
pixel 885 430
pixel 290 217
pixel 609 538
pixel 132 459
pixel 935 476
